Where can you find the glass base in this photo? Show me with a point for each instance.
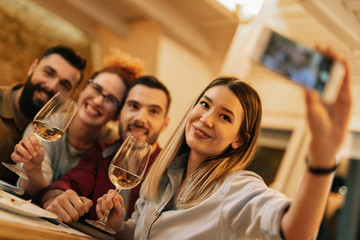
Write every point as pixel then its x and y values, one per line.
pixel 102 225
pixel 16 168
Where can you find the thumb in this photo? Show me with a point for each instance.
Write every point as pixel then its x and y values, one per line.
pixel 87 203
pixel 40 155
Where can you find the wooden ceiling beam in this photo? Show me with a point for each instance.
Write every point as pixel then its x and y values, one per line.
pixel 339 19
pixel 175 24
pixel 86 15
pixel 99 10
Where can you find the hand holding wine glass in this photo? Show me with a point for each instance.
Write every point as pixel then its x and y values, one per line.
pixel 126 171
pixel 49 124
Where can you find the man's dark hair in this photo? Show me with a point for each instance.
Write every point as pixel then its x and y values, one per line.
pixel 75 59
pixel 151 82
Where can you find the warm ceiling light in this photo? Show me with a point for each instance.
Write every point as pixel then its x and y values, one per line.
pixel 246 10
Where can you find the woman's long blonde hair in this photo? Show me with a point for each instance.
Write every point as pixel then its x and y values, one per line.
pixel 209 175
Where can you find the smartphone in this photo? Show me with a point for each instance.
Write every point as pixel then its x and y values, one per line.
pixel 300 64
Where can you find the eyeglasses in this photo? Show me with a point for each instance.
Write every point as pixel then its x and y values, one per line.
pixel 109 100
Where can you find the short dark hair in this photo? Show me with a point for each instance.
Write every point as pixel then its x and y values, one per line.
pixel 75 59
pixel 151 82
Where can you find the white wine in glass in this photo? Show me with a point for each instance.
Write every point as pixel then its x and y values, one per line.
pixel 50 124
pixel 126 171
pixel 47 132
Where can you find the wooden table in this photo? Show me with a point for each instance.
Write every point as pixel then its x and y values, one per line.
pixel 17 226
pixel 11 230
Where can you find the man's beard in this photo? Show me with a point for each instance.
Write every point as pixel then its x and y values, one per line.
pixel 27 106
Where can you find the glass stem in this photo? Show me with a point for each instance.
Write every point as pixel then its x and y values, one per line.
pixel 106 214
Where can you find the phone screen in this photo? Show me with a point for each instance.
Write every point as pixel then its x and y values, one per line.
pixel 301 64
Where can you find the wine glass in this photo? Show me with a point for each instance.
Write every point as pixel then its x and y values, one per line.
pixel 126 171
pixel 50 124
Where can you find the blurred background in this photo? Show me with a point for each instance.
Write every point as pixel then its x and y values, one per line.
pixel 186 44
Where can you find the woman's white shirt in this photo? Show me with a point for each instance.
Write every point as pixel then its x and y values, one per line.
pixel 243 207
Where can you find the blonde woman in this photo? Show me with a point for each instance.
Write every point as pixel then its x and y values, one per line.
pixel 198 188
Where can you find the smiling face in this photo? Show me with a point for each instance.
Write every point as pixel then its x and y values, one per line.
pixel 144 114
pixel 214 123
pixel 93 110
pixel 54 74
pixel 46 77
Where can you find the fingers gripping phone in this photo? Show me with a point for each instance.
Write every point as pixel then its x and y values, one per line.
pixel 299 63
